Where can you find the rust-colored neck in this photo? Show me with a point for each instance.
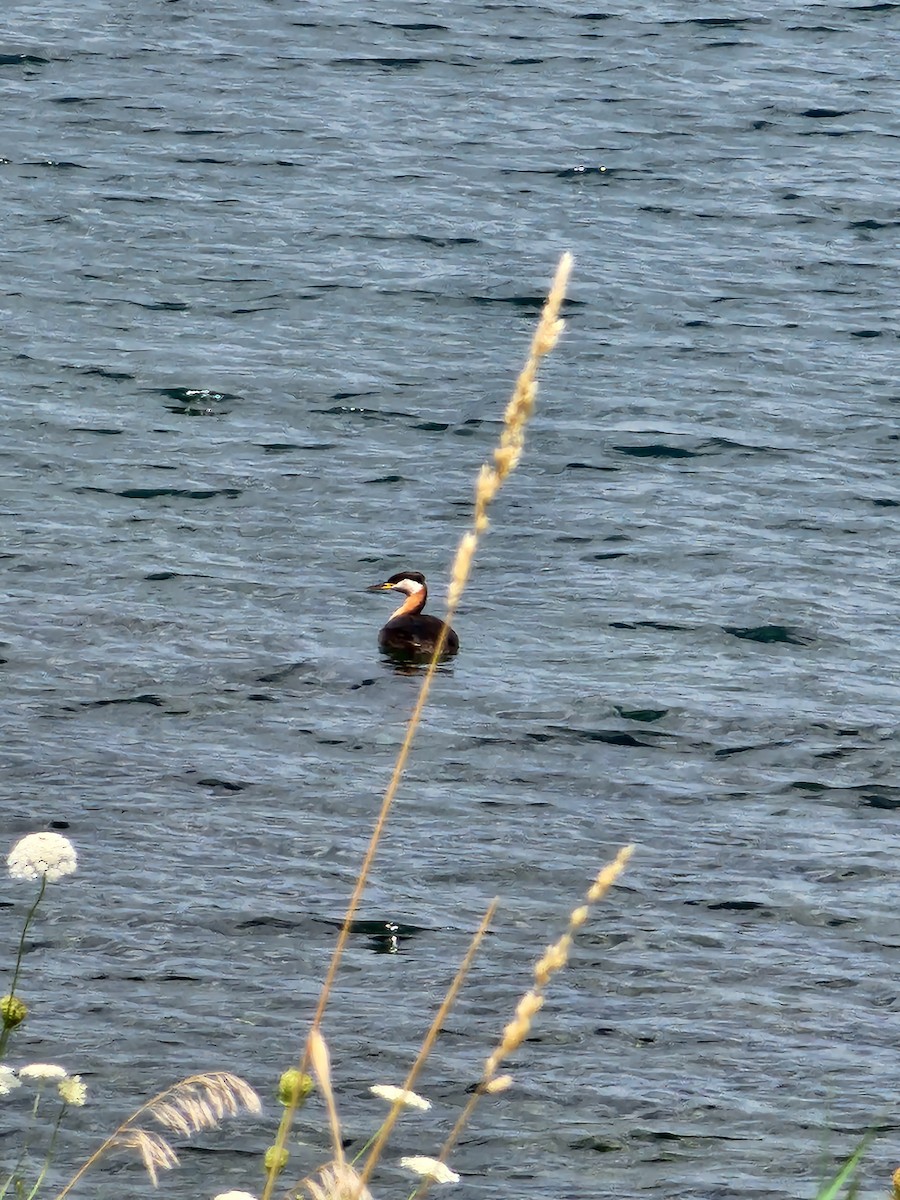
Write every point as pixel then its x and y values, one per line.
pixel 412 604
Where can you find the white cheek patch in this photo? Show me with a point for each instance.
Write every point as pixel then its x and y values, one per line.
pixel 409 587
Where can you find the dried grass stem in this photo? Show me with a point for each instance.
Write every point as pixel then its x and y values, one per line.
pixel 490 479
pixel 553 960
pixel 189 1106
pixel 430 1038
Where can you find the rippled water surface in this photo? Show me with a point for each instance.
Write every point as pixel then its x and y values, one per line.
pixel 268 271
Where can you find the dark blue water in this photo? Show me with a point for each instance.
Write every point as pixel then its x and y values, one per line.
pixel 268 271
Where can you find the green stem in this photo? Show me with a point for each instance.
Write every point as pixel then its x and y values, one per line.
pixel 50 1149
pixel 356 1157
pixel 7 1029
pixel 16 1173
pixel 832 1189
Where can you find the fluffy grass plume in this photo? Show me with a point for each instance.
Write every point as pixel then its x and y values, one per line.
pixel 337 1182
pixel 190 1106
pixel 512 439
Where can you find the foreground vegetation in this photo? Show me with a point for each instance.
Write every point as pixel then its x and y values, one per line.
pixel 202 1102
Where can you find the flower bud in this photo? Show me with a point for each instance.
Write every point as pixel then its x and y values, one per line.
pixel 294 1087
pixel 72 1090
pixel 275 1159
pixel 13 1011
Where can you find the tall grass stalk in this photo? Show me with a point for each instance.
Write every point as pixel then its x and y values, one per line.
pixel 7 1024
pixel 48 1157
pixel 430 1038
pixel 845 1175
pixel 490 479
pixel 553 960
pixel 321 1064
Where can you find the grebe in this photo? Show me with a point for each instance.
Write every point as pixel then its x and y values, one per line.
pixel 410 633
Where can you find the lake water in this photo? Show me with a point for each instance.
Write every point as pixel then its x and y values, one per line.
pixel 268 273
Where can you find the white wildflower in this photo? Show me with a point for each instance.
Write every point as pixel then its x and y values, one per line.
pixel 395 1094
pixel 8 1080
pixel 430 1168
pixel 234 1196
pixel 42 854
pixel 40 1072
pixel 72 1090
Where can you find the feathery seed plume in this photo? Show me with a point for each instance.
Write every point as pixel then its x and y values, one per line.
pixel 321 1064
pixel 553 959
pixel 156 1153
pixel 201 1101
pixel 490 478
pixel 193 1104
pixel 608 875
pixel 337 1181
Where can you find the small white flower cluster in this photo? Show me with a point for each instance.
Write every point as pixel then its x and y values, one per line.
pixel 396 1095
pixel 41 1072
pixel 8 1080
pixel 429 1168
pixel 47 855
pixel 70 1087
pixel 426 1168
pixel 234 1196
pixel 73 1091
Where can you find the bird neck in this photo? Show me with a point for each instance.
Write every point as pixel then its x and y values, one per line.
pixel 412 604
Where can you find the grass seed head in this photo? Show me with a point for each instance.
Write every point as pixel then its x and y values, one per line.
pixel 156 1153
pixel 337 1181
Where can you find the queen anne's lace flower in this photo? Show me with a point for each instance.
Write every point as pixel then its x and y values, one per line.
pixel 72 1090
pixel 394 1094
pixel 430 1168
pixel 8 1080
pixel 40 1072
pixel 42 854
